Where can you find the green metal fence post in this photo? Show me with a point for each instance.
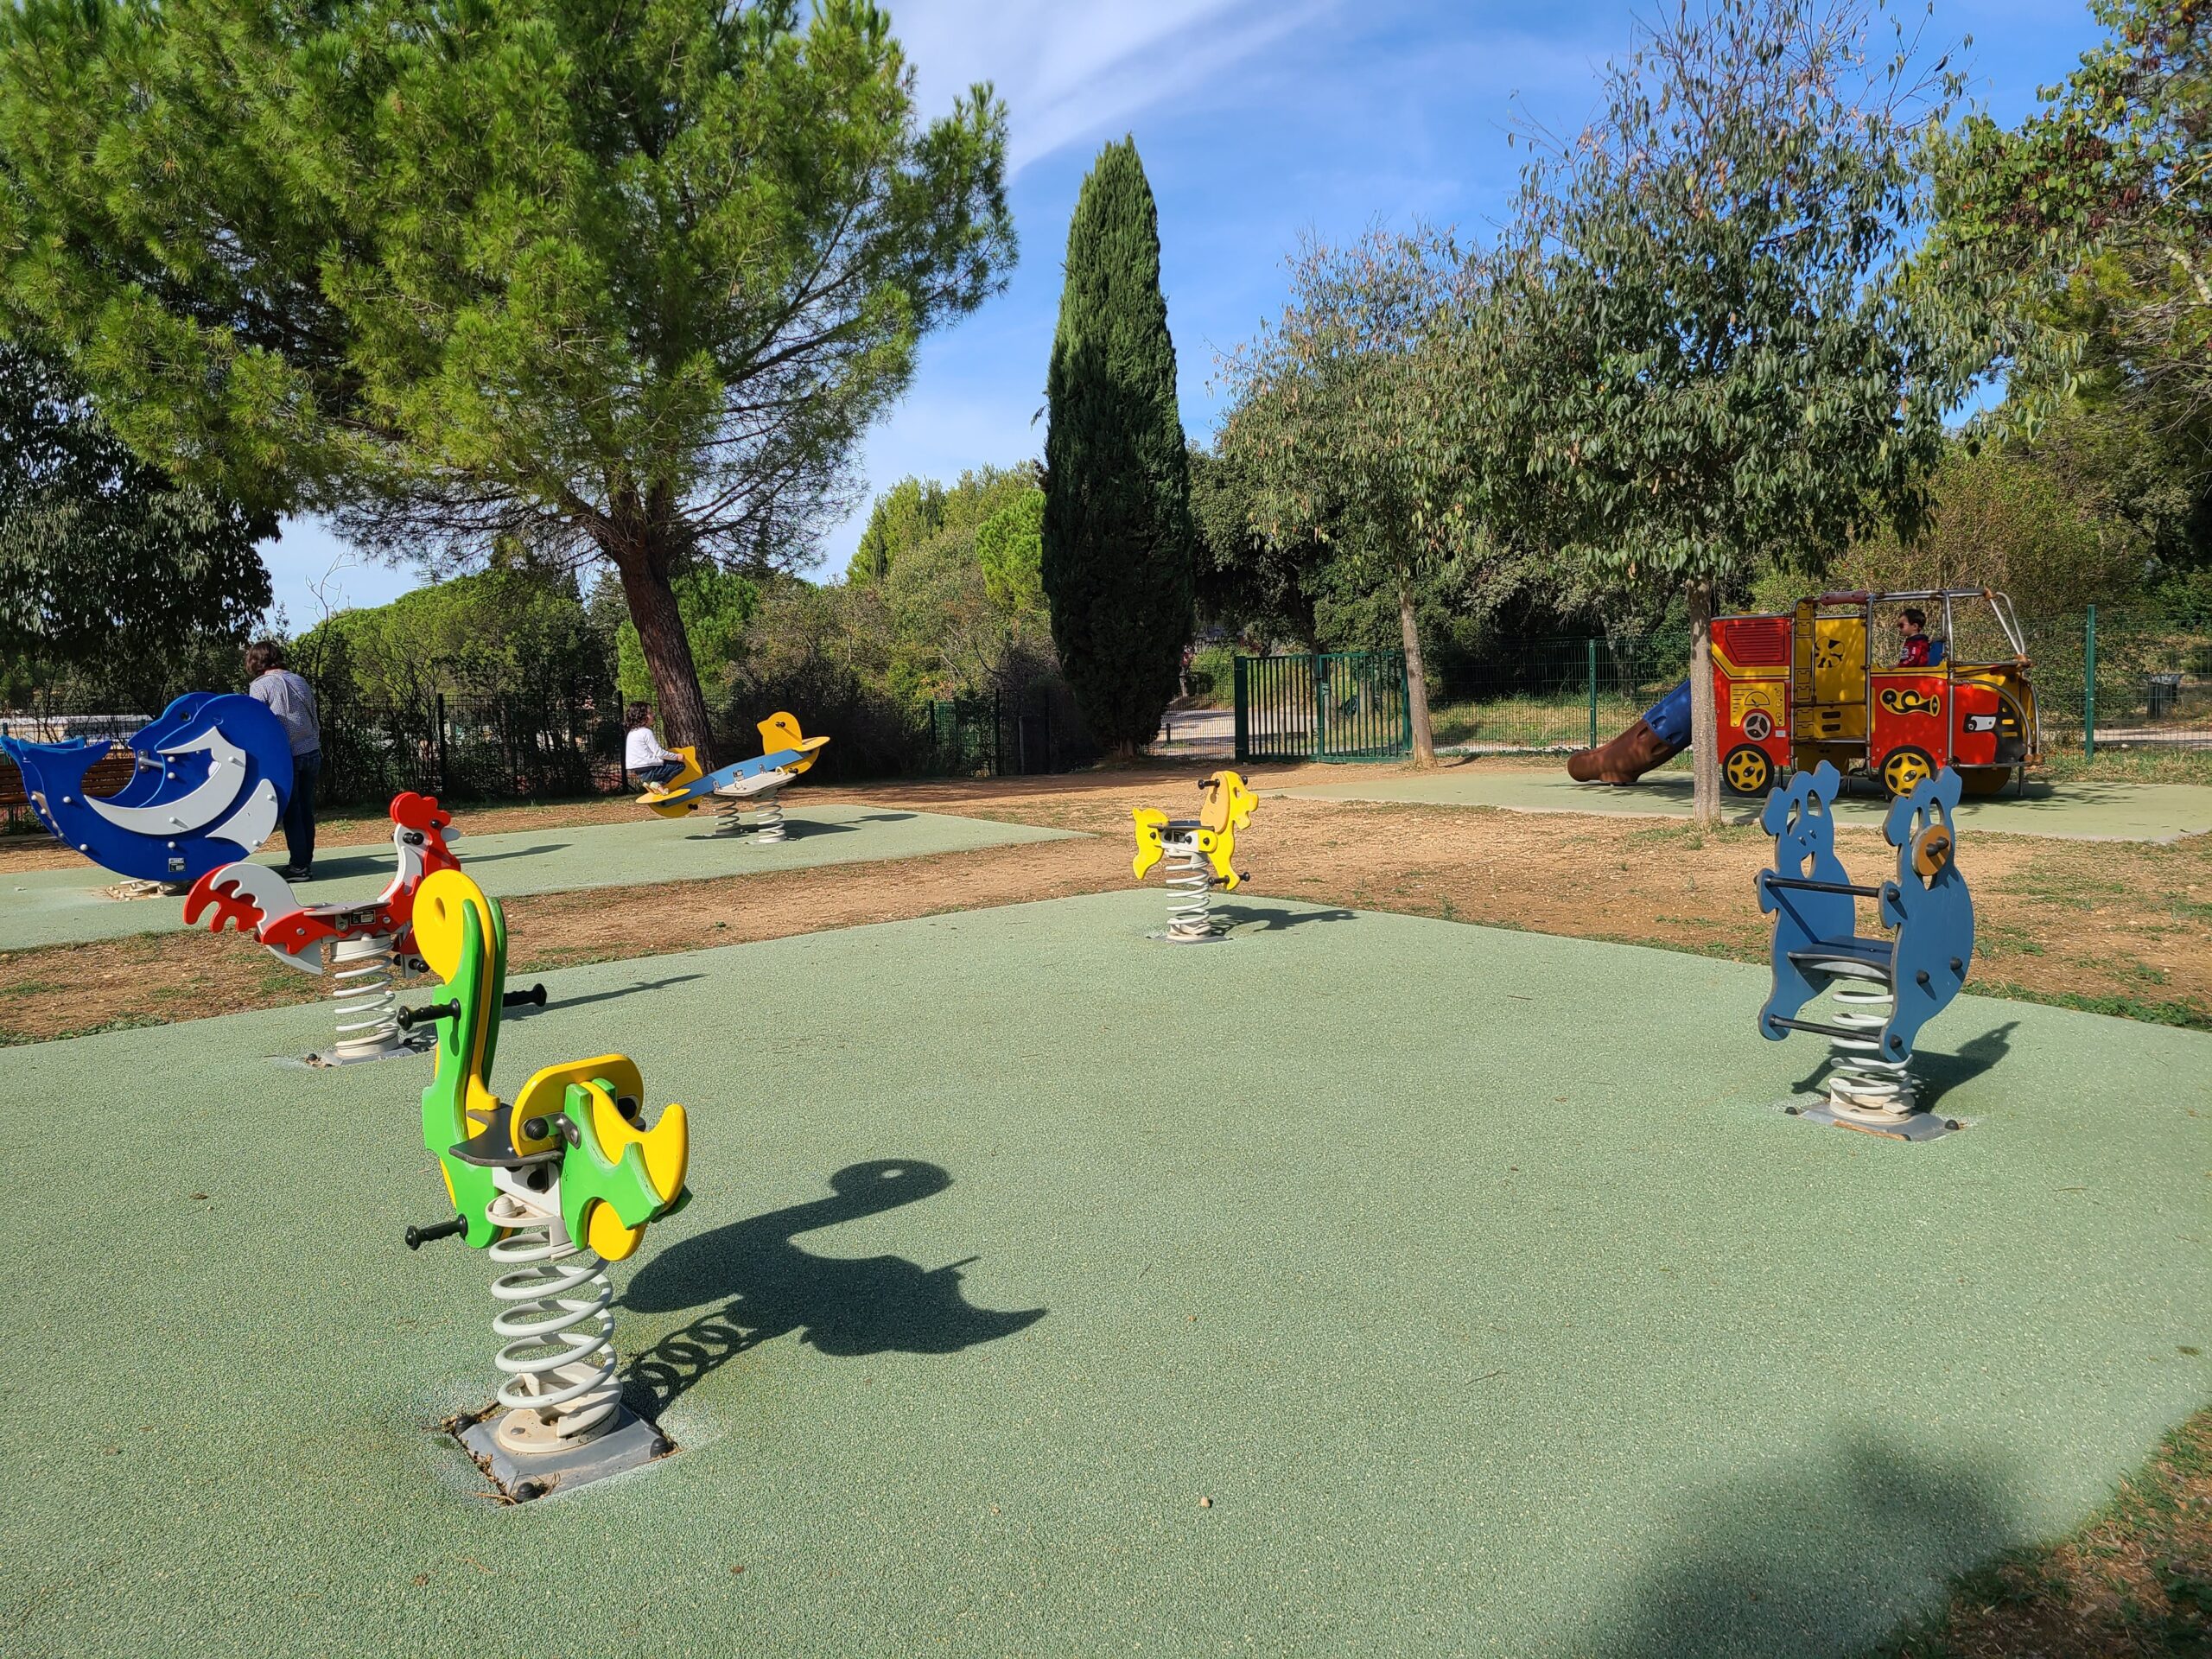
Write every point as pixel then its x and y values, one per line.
pixel 2089 685
pixel 1594 694
pixel 1244 714
pixel 1318 663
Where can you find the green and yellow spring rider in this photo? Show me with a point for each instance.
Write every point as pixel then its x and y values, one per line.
pixel 556 1185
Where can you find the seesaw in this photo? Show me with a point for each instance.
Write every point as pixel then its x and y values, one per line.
pixel 213 774
pixel 755 782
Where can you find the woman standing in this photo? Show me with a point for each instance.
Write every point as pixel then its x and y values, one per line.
pixel 291 699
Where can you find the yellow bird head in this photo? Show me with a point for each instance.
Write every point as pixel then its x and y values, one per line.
pixel 780 731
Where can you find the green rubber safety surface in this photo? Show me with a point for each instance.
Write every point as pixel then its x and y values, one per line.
pixel 2081 811
pixel 1470 1274
pixel 70 906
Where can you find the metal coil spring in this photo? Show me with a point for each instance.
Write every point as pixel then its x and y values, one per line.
pixel 1861 1083
pixel 769 820
pixel 557 1326
pixel 1190 893
pixel 729 816
pixel 362 983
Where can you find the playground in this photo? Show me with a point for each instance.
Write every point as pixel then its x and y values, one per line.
pixel 1283 1323
pixel 931 1253
pixel 781 876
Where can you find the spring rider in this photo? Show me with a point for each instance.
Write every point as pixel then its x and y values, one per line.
pixel 368 944
pixel 1202 848
pixel 556 1183
pixel 1883 989
pixel 758 782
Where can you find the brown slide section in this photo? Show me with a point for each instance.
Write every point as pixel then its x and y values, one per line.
pixel 1625 759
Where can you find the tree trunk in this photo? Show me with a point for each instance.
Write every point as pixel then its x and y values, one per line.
pixel 1705 729
pixel 642 561
pixel 1416 676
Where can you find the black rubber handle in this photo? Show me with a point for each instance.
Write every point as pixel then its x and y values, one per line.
pixel 418 1236
pixel 534 995
pixel 410 1018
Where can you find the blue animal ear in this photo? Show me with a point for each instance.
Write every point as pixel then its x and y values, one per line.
pixel 1827 780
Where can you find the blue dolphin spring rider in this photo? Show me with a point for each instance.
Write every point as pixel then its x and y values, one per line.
pixel 1883 989
pixel 214 773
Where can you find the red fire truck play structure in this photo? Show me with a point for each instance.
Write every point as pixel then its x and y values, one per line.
pixel 1794 690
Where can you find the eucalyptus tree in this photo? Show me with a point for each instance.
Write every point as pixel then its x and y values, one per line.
pixel 1346 426
pixel 1730 361
pixel 617 280
pixel 2099 206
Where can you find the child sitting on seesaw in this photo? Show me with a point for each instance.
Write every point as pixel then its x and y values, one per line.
pixel 641 751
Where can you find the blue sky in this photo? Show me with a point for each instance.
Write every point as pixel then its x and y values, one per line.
pixel 1257 123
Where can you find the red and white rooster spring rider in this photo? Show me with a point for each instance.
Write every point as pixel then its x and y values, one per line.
pixel 367 940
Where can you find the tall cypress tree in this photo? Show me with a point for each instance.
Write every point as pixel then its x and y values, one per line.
pixel 1117 537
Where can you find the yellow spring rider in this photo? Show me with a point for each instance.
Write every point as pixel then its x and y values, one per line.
pixel 1202 848
pixel 756 782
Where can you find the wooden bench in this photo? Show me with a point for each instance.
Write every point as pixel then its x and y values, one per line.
pixel 107 775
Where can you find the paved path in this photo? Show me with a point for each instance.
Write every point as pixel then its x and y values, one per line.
pixel 2074 811
pixel 1470 1274
pixel 56 907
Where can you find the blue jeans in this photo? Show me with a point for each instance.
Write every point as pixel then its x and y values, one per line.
pixel 299 812
pixel 660 772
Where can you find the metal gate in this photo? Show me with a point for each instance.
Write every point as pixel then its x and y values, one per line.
pixel 1344 705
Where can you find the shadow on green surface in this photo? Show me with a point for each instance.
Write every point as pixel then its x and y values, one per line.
pixel 1935 1075
pixel 1827 1560
pixel 762 1286
pixel 379 861
pixel 1266 919
pixel 794 830
pixel 526 1011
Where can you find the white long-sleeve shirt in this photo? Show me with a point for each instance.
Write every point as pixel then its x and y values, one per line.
pixel 642 749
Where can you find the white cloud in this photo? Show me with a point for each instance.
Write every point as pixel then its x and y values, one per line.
pixel 1070 71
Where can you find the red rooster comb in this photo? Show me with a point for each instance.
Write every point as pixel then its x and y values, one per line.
pixel 413 811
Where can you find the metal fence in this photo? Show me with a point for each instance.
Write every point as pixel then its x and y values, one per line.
pixel 2123 680
pixel 457 746
pixel 1349 705
pixel 1013 732
pixel 1559 693
pixel 466 746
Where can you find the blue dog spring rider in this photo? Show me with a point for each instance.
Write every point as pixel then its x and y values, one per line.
pixel 1882 989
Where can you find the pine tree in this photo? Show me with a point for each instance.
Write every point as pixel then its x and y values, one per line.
pixel 1117 537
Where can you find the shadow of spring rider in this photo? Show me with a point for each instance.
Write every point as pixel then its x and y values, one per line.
pixel 757 783
pixel 1201 849
pixel 1883 989
pixel 556 1185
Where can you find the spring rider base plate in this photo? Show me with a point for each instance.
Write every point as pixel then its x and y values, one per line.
pixel 632 1443
pixel 1919 1126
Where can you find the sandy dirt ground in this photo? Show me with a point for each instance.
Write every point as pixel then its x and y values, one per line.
pixel 2118 927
